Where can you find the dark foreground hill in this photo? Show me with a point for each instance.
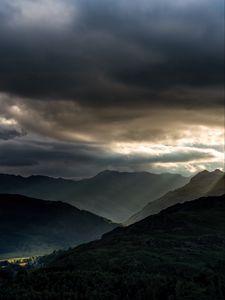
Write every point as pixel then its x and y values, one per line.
pixel 203 184
pixel 111 194
pixel 178 254
pixel 30 226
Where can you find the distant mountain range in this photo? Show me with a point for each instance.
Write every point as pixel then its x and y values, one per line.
pixel 176 254
pixel 111 194
pixel 33 227
pixel 203 184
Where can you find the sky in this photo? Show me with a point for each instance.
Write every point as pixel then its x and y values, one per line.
pixel 89 85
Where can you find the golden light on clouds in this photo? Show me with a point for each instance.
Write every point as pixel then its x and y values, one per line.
pixel 155 140
pixel 208 135
pixel 5 121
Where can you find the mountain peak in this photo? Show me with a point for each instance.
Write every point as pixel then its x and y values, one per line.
pixel 200 175
pixel 218 171
pixel 206 174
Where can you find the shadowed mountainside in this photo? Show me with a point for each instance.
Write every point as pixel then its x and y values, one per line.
pixel 176 254
pixel 33 227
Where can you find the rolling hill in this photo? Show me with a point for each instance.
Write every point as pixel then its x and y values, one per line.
pixel 33 227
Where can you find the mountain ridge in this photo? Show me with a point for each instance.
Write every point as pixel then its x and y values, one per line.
pixel 202 184
pixel 111 194
pixel 29 225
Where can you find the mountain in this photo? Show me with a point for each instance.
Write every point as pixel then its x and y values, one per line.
pixel 41 187
pixel 218 188
pixel 31 226
pixel 203 184
pixel 177 254
pixel 116 195
pixel 111 194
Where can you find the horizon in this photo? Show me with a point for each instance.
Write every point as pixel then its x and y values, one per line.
pixel 116 171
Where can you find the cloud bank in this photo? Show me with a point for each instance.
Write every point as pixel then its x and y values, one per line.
pixel 88 85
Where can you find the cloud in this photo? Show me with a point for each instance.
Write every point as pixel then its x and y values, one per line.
pixel 9 128
pixel 37 14
pixel 69 121
pixel 7 133
pixel 115 54
pixel 89 85
pixel 33 155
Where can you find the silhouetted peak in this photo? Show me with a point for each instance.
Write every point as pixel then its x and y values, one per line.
pixel 200 175
pixel 206 174
pixel 218 172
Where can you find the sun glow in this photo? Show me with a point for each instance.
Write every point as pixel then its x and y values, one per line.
pixel 4 121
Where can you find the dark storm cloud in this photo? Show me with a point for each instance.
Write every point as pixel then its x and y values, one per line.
pixel 8 133
pixel 138 85
pixel 113 52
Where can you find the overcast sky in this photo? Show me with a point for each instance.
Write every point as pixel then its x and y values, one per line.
pixel 88 85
